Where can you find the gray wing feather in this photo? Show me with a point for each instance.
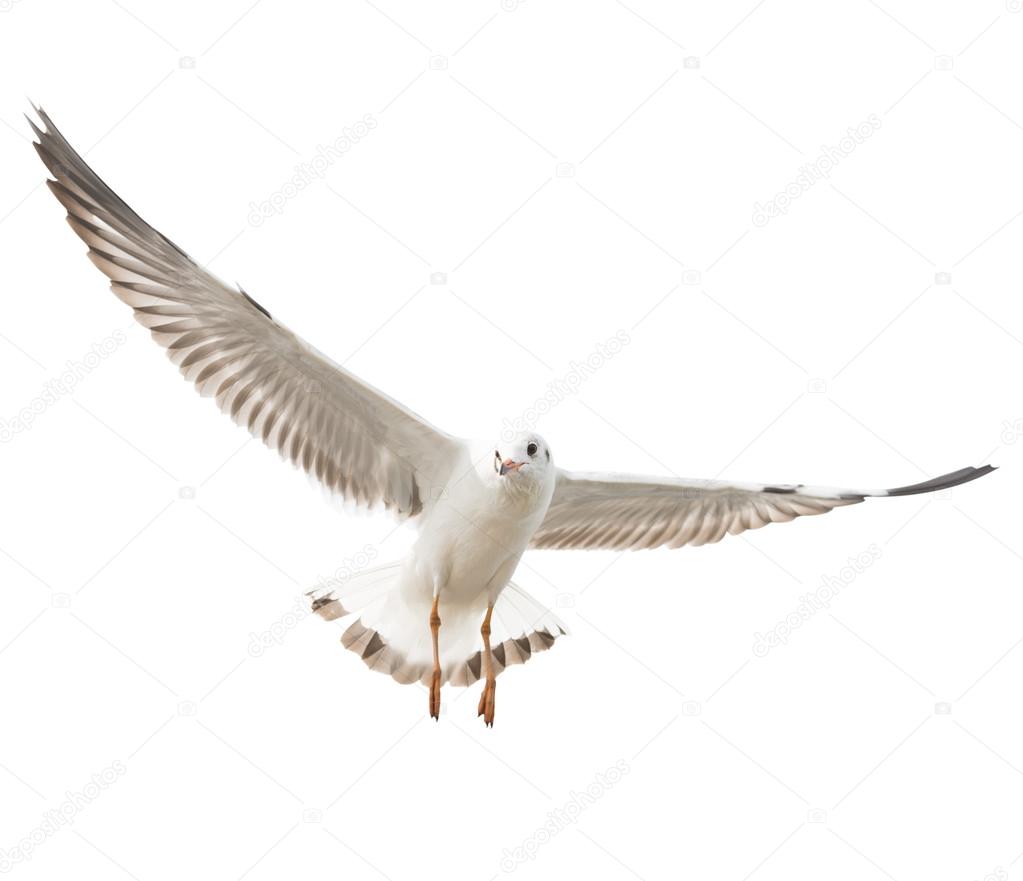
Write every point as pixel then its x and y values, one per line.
pixel 622 512
pixel 355 440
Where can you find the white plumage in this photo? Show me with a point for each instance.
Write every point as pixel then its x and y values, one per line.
pixel 478 507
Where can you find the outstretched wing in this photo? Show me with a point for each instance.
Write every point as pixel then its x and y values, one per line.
pixel 355 440
pixel 622 512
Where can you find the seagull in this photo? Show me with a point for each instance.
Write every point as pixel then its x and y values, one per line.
pixel 448 613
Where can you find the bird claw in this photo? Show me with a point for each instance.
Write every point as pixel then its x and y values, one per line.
pixel 486 704
pixel 435 695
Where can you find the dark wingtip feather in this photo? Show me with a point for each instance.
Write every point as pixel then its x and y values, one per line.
pixel 254 303
pixel 35 128
pixel 945 481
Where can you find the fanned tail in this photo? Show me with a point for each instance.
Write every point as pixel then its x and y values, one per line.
pixel 391 634
pixel 521 627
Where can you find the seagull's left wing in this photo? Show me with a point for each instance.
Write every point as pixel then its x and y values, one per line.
pixel 623 512
pixel 355 440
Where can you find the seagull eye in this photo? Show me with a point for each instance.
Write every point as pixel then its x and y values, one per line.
pixel 531 449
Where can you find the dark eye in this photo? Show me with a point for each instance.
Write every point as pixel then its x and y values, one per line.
pixel 497 455
pixel 531 449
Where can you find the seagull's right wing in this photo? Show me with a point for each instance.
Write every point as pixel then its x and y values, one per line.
pixel 355 440
pixel 623 512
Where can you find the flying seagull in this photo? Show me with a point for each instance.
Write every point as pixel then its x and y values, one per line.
pixel 478 507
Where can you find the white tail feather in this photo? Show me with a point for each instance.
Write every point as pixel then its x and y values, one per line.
pixel 391 633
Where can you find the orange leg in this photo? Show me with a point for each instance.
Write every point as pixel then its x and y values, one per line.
pixel 435 682
pixel 486 705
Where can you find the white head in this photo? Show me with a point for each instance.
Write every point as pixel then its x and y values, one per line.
pixel 523 463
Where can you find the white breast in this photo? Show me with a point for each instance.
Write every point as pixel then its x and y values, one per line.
pixel 472 531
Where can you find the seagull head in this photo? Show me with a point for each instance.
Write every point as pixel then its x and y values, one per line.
pixel 524 461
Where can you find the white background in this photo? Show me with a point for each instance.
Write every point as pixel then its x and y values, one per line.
pixel 869 337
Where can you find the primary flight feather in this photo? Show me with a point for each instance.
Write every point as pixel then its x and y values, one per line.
pixel 478 507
